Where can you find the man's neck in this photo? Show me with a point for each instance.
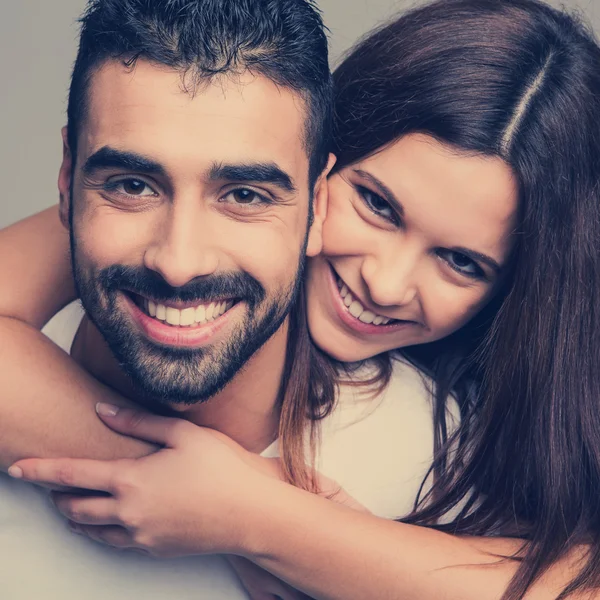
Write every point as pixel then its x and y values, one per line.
pixel 246 410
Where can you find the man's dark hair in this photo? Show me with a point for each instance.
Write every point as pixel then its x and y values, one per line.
pixel 283 40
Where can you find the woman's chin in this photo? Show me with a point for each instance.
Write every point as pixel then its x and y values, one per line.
pixel 343 350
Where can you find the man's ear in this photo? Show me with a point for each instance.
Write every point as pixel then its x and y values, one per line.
pixel 320 197
pixel 64 180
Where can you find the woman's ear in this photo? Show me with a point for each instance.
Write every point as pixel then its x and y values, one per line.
pixel 64 180
pixel 320 198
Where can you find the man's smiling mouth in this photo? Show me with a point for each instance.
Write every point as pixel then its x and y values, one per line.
pixel 188 316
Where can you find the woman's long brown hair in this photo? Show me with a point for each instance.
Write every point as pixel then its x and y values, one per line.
pixel 518 80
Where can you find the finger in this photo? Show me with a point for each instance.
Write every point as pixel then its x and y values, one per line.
pixel 141 424
pixel 87 510
pixel 109 535
pixel 67 472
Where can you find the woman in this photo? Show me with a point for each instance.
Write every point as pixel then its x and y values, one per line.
pixel 496 104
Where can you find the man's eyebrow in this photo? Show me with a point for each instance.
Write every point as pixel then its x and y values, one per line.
pixel 111 158
pixel 383 190
pixel 393 200
pixel 253 172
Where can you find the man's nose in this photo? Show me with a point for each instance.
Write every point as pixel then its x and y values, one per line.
pixel 392 279
pixel 184 247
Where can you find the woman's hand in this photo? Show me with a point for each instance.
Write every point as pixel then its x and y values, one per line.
pixel 194 496
pixel 197 495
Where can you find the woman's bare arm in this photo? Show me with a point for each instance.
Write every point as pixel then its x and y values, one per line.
pixel 35 273
pixel 46 400
pixel 205 494
pixel 332 552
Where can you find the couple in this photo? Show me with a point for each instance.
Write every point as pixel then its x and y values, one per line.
pixel 458 224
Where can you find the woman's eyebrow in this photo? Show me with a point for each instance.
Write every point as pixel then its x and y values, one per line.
pixel 383 189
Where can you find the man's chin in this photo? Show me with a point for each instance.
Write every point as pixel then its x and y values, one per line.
pixel 177 377
pixel 182 382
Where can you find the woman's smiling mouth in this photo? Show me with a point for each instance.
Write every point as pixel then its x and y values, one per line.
pixel 354 314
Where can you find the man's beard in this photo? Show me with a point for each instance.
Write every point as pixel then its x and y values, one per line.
pixel 180 375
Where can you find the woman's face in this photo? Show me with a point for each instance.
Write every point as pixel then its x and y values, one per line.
pixel 414 245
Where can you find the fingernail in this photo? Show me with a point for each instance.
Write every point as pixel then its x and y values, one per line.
pixel 16 472
pixel 106 410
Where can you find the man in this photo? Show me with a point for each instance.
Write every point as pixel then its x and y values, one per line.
pixel 195 145
pixel 194 163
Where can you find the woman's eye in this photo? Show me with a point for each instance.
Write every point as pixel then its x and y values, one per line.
pixel 246 197
pixel 130 187
pixel 377 204
pixel 461 263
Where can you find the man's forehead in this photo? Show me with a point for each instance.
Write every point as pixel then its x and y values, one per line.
pixel 149 109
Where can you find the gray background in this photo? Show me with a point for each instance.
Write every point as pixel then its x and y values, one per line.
pixel 37 48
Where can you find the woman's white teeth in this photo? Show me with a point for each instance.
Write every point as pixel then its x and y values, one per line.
pixel 367 317
pixel 357 310
pixel 188 317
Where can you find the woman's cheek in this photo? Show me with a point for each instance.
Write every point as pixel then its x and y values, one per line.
pixel 449 307
pixel 343 229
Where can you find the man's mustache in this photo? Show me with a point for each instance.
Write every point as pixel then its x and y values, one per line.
pixel 149 284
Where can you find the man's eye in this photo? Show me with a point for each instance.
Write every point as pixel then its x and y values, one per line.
pixel 246 197
pixel 377 204
pixel 130 187
pixel 461 263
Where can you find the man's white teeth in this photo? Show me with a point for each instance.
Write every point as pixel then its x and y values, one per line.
pixel 173 316
pixel 357 310
pixel 188 317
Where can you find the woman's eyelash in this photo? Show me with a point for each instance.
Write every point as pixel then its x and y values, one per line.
pixel 477 272
pixel 381 208
pixel 371 199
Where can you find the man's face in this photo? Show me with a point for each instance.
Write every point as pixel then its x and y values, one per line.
pixel 189 222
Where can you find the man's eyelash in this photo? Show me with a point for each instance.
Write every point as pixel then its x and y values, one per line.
pixel 263 198
pixel 113 185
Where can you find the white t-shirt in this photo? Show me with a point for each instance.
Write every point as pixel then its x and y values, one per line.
pixel 378 450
